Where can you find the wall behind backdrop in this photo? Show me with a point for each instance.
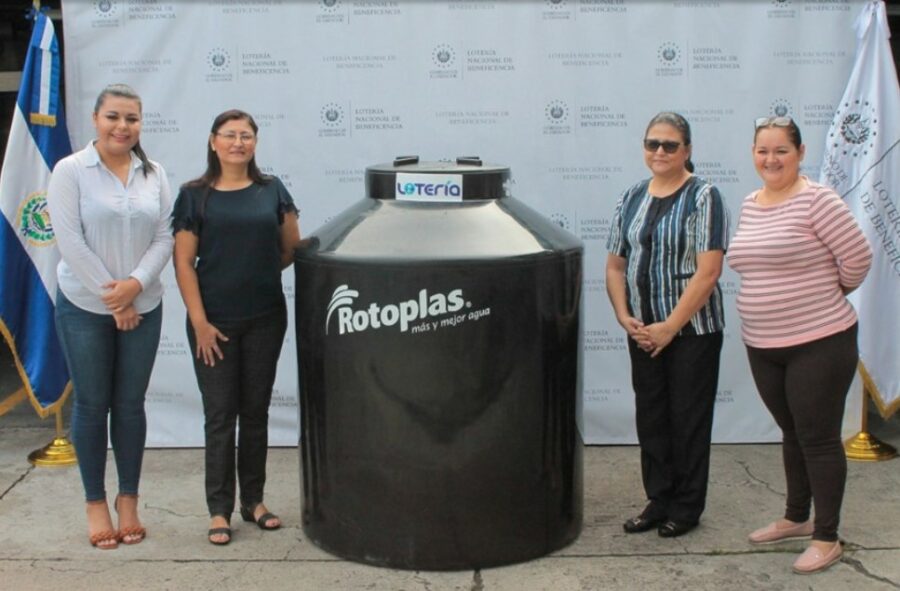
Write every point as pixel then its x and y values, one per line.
pixel 559 90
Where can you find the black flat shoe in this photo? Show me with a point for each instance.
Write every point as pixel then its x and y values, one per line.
pixel 640 524
pixel 673 529
pixel 263 521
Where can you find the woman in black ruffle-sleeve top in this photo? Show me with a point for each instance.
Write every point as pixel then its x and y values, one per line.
pixel 235 231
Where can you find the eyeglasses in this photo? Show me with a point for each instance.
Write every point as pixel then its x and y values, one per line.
pixel 773 122
pixel 233 137
pixel 669 147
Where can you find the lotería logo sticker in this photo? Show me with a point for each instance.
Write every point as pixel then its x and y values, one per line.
pixel 429 187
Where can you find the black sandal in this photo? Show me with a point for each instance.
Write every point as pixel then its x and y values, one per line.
pixel 215 531
pixel 262 522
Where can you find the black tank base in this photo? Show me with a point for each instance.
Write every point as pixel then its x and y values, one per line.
pixel 447 524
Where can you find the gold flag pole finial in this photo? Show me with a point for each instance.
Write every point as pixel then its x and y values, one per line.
pixel 57 453
pixel 864 447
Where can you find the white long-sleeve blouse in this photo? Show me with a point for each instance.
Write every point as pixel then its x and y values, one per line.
pixel 107 230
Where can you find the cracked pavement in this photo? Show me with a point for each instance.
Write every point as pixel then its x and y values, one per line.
pixel 43 536
pixel 43 532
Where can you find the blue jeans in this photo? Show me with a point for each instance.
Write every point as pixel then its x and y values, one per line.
pixel 110 371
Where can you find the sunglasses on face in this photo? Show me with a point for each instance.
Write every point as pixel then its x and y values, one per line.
pixel 668 147
pixel 773 122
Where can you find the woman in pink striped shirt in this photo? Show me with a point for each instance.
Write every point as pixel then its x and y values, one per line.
pixel 799 252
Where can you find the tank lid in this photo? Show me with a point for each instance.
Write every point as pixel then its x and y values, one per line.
pixel 409 179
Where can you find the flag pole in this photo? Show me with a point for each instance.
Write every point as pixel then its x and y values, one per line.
pixel 864 447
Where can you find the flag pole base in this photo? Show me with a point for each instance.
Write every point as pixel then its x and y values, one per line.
pixel 58 453
pixel 864 447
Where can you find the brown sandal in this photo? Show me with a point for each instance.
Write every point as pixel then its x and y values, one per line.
pixel 107 539
pixel 98 539
pixel 133 534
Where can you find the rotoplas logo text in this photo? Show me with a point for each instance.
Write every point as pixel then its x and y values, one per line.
pixel 400 314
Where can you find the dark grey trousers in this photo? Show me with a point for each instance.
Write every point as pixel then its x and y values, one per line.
pixel 236 393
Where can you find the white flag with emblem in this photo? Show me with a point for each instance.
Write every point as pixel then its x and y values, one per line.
pixel 862 163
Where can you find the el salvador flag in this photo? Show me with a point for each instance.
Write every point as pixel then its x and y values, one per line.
pixel 28 252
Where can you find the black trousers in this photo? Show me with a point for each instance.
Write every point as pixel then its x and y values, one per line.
pixel 237 391
pixel 805 388
pixel 675 394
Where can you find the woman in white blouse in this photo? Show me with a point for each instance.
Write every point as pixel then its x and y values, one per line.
pixel 111 208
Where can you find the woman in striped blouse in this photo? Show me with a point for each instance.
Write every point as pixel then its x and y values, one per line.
pixel 799 252
pixel 666 248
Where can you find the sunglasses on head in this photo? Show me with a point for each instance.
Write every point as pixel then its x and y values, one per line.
pixel 668 147
pixel 773 122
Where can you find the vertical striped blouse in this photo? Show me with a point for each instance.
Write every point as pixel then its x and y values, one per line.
pixel 794 258
pixel 660 239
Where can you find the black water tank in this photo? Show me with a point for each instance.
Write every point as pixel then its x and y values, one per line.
pixel 438 333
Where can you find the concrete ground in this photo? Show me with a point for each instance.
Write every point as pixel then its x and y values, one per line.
pixel 43 541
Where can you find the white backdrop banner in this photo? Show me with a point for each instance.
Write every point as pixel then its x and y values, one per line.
pixel 559 90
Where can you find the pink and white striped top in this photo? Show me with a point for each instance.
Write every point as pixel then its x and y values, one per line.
pixel 794 258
